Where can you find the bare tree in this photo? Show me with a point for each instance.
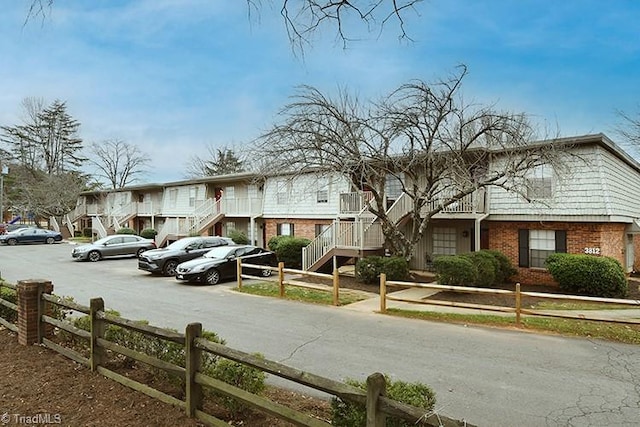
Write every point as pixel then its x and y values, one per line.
pixel 422 136
pixel 302 19
pixel 220 161
pixel 629 129
pixel 118 162
pixel 42 194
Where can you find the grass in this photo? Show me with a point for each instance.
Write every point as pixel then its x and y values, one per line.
pixel 295 293
pixel 554 305
pixel 629 334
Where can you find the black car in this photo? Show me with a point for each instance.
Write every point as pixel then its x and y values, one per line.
pixel 220 263
pixel 30 235
pixel 164 260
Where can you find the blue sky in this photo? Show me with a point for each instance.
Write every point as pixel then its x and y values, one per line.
pixel 174 76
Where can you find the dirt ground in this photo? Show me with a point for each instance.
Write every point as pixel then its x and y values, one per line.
pixel 39 386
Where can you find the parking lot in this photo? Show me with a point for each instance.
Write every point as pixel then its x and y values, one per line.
pixel 487 376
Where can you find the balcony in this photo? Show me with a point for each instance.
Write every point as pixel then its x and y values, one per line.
pixel 354 203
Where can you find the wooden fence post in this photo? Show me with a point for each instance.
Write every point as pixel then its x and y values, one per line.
pixel 281 278
pixel 336 287
pixel 518 304
pixel 96 305
pixel 193 363
pixel 239 268
pixel 383 293
pixel 376 387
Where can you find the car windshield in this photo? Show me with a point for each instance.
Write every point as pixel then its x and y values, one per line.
pixel 180 244
pixel 220 252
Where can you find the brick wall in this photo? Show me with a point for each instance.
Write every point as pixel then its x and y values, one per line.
pixel 608 237
pixel 29 311
pixel 302 227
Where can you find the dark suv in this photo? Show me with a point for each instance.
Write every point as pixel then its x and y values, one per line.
pixel 164 260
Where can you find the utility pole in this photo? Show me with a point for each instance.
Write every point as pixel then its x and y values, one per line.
pixel 3 171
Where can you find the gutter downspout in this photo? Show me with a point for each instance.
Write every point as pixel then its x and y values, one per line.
pixel 476 230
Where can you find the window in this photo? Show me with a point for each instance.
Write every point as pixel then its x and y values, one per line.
pixel 322 196
pixel 393 187
pixel 173 197
pixel 540 183
pixel 193 196
pixel 444 241
pixel 534 246
pixel 542 243
pixel 285 229
pixel 282 193
pixel 320 228
pixel 230 192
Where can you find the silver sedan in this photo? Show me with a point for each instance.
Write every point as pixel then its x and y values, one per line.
pixel 115 245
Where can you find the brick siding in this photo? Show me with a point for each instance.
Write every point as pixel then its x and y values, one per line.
pixel 608 237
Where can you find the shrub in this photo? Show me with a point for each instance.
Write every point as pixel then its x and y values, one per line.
pixel 240 375
pixel 10 295
pixel 238 237
pixel 505 270
pixel 455 270
pixel 368 269
pixel 288 250
pixel 588 275
pixel 87 232
pixel 349 414
pixel 486 266
pixel 275 241
pixel 148 233
pixel 126 230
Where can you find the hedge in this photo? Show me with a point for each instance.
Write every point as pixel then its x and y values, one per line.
pixel 368 269
pixel 288 249
pixel 483 268
pixel 588 275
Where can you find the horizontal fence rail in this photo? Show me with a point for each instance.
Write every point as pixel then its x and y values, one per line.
pixel 9 306
pixel 517 297
pixel 195 345
pixel 283 282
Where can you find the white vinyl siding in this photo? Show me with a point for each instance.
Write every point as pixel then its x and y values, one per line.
pixel 299 197
pixel 595 183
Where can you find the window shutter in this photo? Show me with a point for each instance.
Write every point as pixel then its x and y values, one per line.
pixel 561 241
pixel 291 229
pixel 523 248
pixel 279 230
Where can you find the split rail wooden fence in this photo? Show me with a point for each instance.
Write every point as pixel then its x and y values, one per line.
pixel 517 295
pixel 282 282
pixel 378 406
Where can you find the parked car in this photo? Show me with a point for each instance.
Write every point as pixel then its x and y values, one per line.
pixel 220 263
pixel 114 245
pixel 165 260
pixel 30 235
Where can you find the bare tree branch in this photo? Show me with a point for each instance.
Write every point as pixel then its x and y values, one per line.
pixel 422 135
pixel 118 162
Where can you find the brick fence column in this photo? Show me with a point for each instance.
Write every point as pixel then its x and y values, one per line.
pixel 30 308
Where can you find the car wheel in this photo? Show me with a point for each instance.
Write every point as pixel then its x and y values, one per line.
pixel 212 277
pixel 12 242
pixel 266 273
pixel 50 240
pixel 140 251
pixel 170 268
pixel 94 256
